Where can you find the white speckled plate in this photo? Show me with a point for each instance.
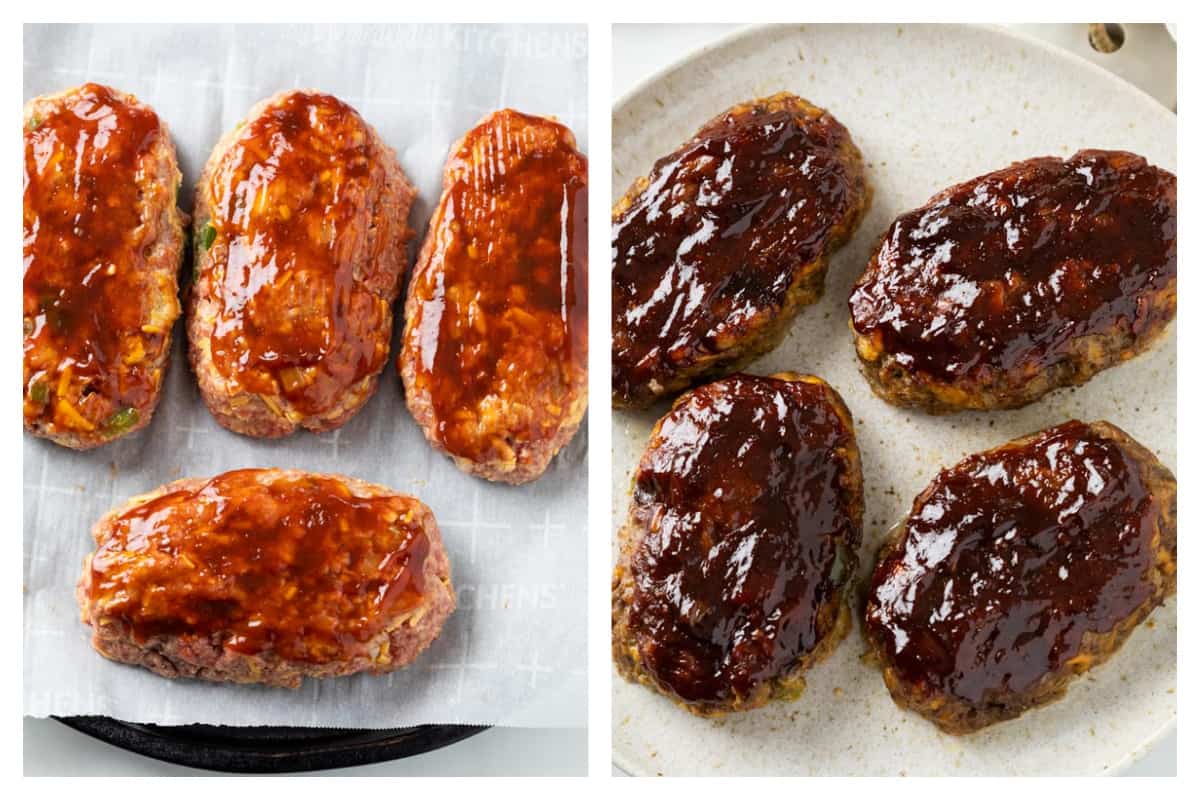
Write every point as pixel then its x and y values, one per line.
pixel 929 106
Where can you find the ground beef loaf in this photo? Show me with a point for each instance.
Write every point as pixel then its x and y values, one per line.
pixel 494 357
pixel 1019 569
pixel 740 545
pixel 103 240
pixel 1013 284
pixel 729 236
pixel 300 244
pixel 266 576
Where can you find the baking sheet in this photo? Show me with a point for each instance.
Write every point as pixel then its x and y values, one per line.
pixel 515 651
pixel 973 101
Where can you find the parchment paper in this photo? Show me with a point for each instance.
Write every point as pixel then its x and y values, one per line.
pixel 514 652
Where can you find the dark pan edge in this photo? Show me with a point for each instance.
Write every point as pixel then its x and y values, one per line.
pixel 269 749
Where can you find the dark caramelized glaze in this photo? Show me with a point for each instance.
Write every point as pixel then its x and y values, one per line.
pixel 1003 272
pixel 297 564
pixel 743 494
pixel 91 350
pixel 715 240
pixel 497 309
pixel 293 200
pixel 1009 558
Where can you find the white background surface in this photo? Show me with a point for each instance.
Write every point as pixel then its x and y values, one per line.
pixel 641 50
pixel 513 653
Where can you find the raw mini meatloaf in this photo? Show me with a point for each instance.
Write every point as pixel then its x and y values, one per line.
pixel 266 576
pixel 494 358
pixel 300 233
pixel 103 240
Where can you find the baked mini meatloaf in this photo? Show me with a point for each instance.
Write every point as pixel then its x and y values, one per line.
pixel 103 240
pixel 728 237
pixel 494 357
pixel 1008 286
pixel 266 576
pixel 300 239
pixel 740 544
pixel 1019 569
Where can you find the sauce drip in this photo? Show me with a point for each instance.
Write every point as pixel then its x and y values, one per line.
pixel 742 494
pixel 1009 558
pixel 500 326
pixel 1003 272
pixel 717 237
pixel 293 203
pixel 86 354
pixel 297 565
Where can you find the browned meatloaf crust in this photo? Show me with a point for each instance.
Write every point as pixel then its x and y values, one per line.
pixel 494 355
pixel 1018 570
pixel 740 545
pixel 1013 284
pixel 728 237
pixel 300 238
pixel 103 240
pixel 266 576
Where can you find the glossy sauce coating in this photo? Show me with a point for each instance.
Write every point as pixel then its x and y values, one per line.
pixel 1008 558
pixel 745 505
pixel 497 325
pixel 1001 273
pixel 291 200
pixel 300 566
pixel 715 238
pixel 91 347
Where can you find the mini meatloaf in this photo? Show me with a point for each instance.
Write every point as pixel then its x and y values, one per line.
pixel 1006 287
pixel 300 238
pixel 266 576
pixel 730 235
pixel 740 544
pixel 1018 569
pixel 102 249
pixel 494 357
